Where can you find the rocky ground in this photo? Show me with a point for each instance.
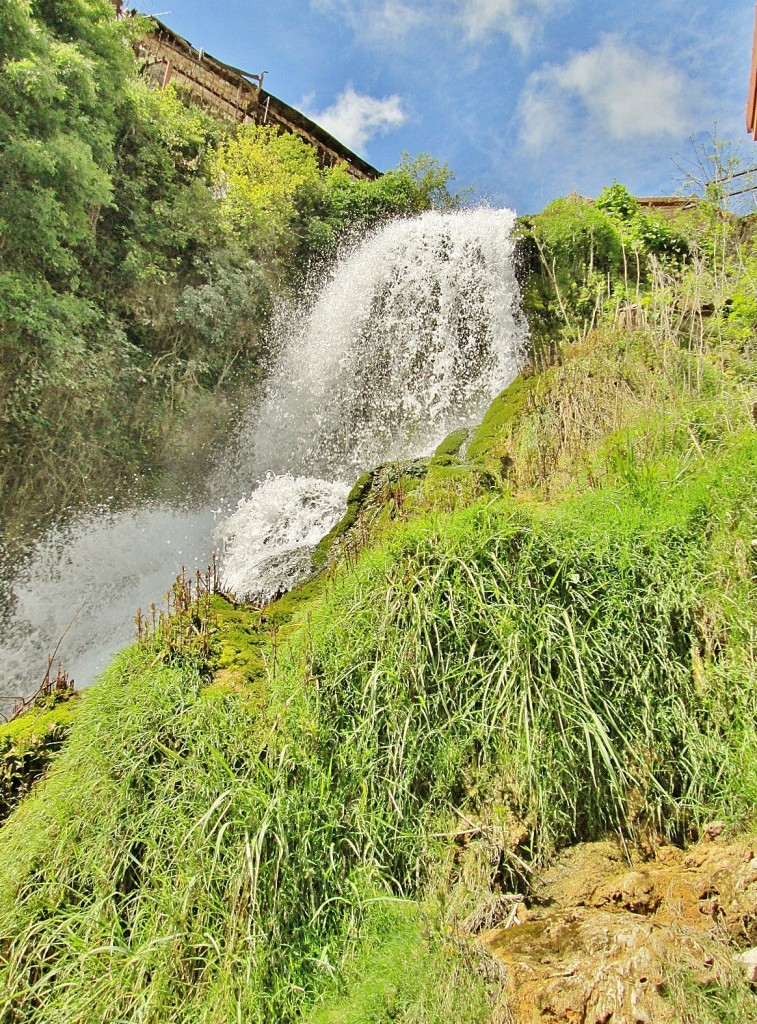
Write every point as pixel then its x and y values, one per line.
pixel 608 927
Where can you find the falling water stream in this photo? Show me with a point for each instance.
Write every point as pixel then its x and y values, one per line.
pixel 412 334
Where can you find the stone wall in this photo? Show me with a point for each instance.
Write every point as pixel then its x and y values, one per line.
pixel 237 95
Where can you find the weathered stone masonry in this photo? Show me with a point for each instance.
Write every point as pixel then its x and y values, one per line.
pixel 238 96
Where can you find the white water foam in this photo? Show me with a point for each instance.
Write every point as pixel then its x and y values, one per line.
pixel 268 541
pixel 413 333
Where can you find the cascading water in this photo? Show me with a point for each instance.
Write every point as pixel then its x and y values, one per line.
pixel 415 329
pixel 412 334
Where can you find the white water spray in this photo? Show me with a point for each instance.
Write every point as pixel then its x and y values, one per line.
pixel 81 588
pixel 269 539
pixel 412 335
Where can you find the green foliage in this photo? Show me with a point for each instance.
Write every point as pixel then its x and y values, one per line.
pixel 576 234
pixel 142 243
pixel 222 316
pixel 28 745
pixel 59 377
pixel 578 256
pixel 470 602
pixel 174 873
pixel 645 234
pixel 258 175
pixel 67 369
pixel 417 184
pixel 569 252
pixel 730 1002
pixel 274 195
pixel 431 181
pixel 63 74
pixel 737 309
pixel 404 972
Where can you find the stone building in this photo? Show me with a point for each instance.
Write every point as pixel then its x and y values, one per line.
pixel 235 94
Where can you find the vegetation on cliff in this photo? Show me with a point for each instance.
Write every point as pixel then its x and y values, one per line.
pixel 142 244
pixel 545 634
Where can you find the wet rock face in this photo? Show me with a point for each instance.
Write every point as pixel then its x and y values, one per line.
pixel 598 944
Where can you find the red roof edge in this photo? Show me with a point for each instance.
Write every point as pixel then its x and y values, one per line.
pixel 751 103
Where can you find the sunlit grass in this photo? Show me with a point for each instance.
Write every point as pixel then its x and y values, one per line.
pixel 198 856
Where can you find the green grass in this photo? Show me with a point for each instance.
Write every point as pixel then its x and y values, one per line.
pixel 730 999
pixel 560 635
pixel 200 854
pixel 147 879
pixel 403 971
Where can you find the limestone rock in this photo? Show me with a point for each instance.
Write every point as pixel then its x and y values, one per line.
pixel 587 966
pixel 608 923
pixel 749 960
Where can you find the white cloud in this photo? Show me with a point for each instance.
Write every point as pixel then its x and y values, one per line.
pixel 394 20
pixel 355 118
pixel 615 90
pixel 521 20
pixel 389 21
pixel 475 21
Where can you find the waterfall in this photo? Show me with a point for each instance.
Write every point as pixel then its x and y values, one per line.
pixel 412 334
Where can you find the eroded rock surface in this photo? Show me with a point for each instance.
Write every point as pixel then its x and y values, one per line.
pixel 596 943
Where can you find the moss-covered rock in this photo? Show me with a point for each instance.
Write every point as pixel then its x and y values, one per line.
pixel 387 483
pixel 246 638
pixel 442 461
pixel 452 443
pixel 355 501
pixel 503 409
pixel 239 645
pixel 29 743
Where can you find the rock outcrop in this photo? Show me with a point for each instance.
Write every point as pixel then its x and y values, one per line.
pixel 599 941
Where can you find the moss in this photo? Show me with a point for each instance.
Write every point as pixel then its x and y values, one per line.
pixel 372 488
pixel 240 643
pixel 440 461
pixel 49 713
pixel 29 743
pixel 291 608
pixel 503 409
pixel 449 471
pixel 452 443
pixel 246 637
pixel 355 501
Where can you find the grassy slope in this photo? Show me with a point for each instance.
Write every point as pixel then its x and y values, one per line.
pixel 29 743
pixel 569 652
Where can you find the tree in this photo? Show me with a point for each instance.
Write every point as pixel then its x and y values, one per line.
pixel 715 171
pixel 258 175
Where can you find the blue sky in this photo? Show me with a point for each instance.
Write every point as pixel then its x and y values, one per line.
pixel 526 99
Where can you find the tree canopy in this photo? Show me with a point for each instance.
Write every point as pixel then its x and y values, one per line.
pixel 141 242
